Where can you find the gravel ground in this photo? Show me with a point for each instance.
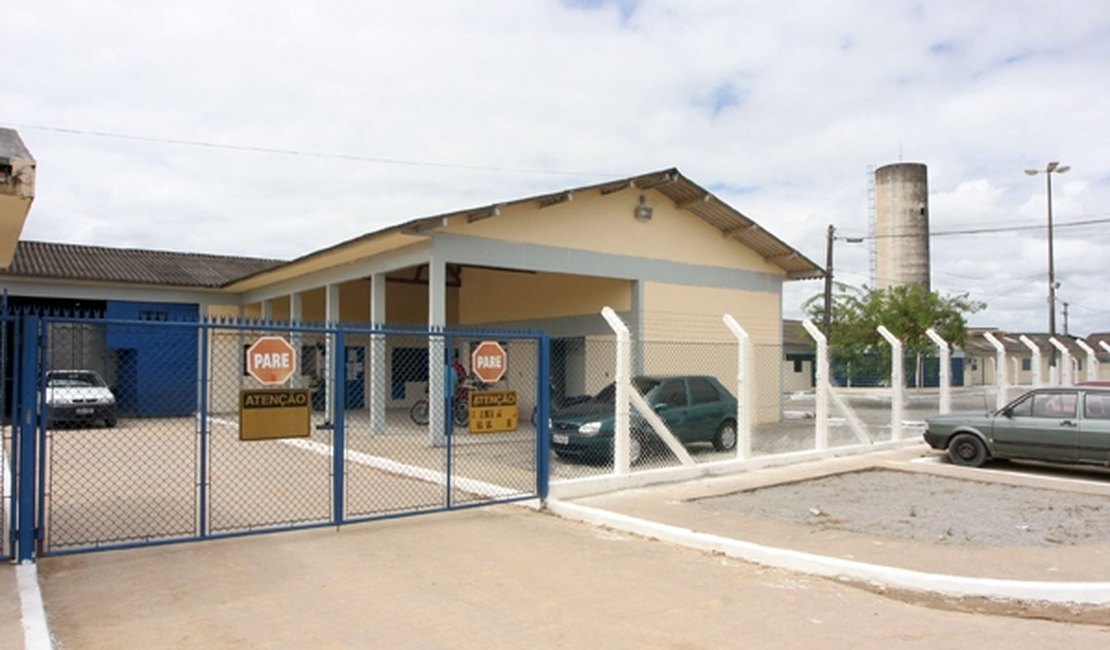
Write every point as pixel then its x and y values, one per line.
pixel 930 508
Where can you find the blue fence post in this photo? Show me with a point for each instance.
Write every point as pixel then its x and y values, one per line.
pixel 543 417
pixel 28 422
pixel 448 374
pixel 339 432
pixel 202 407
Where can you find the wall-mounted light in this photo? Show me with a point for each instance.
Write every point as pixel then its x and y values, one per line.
pixel 643 211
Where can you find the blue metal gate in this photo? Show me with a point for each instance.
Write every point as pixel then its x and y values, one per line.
pixel 129 433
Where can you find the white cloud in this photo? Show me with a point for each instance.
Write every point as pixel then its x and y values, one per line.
pixel 442 105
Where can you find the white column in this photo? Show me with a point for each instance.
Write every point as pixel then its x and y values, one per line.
pixel 377 382
pixel 1092 359
pixel 296 317
pixel 437 349
pixel 944 351
pixel 1065 362
pixel 823 386
pixel 999 369
pixel 897 382
pixel 1036 362
pixel 743 389
pixel 331 315
pixel 267 310
pixel 622 377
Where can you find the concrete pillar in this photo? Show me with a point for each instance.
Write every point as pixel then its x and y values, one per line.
pixel 331 315
pixel 377 381
pixel 437 350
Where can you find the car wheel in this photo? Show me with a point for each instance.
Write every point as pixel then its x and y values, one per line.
pixel 635 448
pixel 725 438
pixel 968 450
pixel 110 422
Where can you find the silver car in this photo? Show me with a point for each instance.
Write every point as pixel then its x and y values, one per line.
pixel 79 397
pixel 1059 424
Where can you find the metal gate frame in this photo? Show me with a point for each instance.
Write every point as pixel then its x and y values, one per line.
pixel 27 519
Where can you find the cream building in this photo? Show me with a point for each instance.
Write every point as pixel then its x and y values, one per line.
pixel 663 252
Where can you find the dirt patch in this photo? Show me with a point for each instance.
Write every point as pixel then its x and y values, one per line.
pixel 929 508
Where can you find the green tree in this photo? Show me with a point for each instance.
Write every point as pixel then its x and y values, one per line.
pixel 907 311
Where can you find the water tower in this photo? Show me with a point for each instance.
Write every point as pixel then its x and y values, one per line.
pixel 901 225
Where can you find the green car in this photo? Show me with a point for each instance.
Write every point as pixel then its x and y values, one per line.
pixel 694 408
pixel 1060 424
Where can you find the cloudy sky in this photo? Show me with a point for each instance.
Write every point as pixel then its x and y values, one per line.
pixel 275 128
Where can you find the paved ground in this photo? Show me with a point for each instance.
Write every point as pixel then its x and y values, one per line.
pixel 505 577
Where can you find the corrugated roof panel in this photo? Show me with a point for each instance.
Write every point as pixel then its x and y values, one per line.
pixel 128 265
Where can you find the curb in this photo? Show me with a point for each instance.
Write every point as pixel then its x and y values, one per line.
pixel 36 633
pixel 1076 593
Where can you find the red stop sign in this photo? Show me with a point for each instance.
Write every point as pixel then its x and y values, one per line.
pixel 271 360
pixel 488 361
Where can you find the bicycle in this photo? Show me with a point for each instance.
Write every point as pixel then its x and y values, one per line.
pixel 460 411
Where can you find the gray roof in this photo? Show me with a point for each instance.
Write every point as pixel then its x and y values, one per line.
pixel 685 194
pixel 129 265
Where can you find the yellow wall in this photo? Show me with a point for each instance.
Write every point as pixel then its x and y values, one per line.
pixel 490 296
pixel 354 301
pixel 684 333
pixel 695 313
pixel 604 224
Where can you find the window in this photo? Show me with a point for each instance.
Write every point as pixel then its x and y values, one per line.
pixel 1054 405
pixel 799 365
pixel 673 394
pixel 702 391
pixel 1024 408
pixel 1026 364
pixel 1096 407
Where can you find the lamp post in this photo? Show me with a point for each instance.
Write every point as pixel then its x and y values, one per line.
pixel 829 275
pixel 1051 168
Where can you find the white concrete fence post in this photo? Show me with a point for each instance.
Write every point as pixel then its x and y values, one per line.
pixel 999 369
pixel 622 378
pixel 944 351
pixel 897 382
pixel 743 389
pixel 1092 359
pixel 1036 364
pixel 1065 362
pixel 823 385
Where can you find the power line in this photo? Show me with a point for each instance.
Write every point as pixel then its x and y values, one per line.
pixel 306 154
pixel 988 230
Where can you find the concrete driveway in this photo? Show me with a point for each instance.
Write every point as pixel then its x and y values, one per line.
pixel 500 577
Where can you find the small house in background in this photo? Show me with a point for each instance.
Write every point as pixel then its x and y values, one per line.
pixel 1023 366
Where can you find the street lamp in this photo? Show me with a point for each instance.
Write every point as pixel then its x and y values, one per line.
pixel 829 275
pixel 1052 167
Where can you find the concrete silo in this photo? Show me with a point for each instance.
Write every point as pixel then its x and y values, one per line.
pixel 901 225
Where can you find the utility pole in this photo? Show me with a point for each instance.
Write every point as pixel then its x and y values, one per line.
pixel 1065 319
pixel 829 275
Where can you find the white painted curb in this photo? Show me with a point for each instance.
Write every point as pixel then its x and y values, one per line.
pixel 1081 593
pixel 36 634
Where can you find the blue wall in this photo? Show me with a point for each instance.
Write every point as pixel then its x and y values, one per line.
pixel 156 361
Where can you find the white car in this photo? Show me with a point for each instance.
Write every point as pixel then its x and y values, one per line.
pixel 79 397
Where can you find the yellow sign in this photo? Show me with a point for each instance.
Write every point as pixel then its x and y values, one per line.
pixel 493 411
pixel 275 413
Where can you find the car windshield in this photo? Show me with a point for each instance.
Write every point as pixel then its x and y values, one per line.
pixel 74 380
pixel 608 395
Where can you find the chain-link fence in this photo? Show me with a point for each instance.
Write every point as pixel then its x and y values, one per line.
pixel 144 436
